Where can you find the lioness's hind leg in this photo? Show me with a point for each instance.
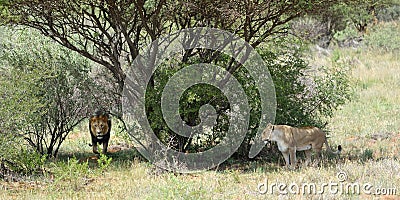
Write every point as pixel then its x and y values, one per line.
pixel 317 156
pixel 308 156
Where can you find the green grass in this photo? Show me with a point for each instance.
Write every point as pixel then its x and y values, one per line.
pixel 375 111
pixel 367 128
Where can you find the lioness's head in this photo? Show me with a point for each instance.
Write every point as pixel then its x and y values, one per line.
pixel 99 125
pixel 267 133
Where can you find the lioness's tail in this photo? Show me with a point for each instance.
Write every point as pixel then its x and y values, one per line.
pixel 330 150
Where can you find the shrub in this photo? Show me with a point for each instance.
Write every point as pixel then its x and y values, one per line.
pixel 18 158
pixel 390 13
pixel 385 36
pixel 348 37
pixel 71 174
pixel 305 96
pixel 46 90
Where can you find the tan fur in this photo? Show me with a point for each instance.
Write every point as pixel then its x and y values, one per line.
pixel 99 125
pixel 293 139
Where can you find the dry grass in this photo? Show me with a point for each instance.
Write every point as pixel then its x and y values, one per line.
pixel 367 128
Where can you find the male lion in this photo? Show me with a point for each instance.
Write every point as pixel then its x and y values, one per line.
pixel 292 139
pixel 99 127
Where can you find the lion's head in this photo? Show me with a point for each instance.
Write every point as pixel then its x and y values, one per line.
pixel 99 125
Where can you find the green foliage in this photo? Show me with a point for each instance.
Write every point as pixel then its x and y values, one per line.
pixel 190 102
pixel 104 162
pixel 390 13
pixel 46 90
pixel 19 158
pixel 54 86
pixel 76 174
pixel 28 161
pixel 343 36
pixel 71 174
pixel 384 37
pixel 17 89
pixel 306 96
pixel 345 22
pixel 361 14
pixel 19 105
pixel 367 154
pixel 334 87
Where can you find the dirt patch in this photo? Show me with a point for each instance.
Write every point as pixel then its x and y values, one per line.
pixel 118 147
pixel 381 136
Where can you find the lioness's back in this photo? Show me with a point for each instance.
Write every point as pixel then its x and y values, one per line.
pixel 308 134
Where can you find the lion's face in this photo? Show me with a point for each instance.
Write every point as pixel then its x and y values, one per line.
pixel 99 125
pixel 267 133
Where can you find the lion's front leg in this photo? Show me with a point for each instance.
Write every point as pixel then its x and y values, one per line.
pixel 95 150
pixel 105 145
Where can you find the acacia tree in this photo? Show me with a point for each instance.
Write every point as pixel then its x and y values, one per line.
pixel 107 32
pixel 111 32
pixel 256 22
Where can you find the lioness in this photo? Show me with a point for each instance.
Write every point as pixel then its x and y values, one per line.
pixel 292 139
pixel 100 127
